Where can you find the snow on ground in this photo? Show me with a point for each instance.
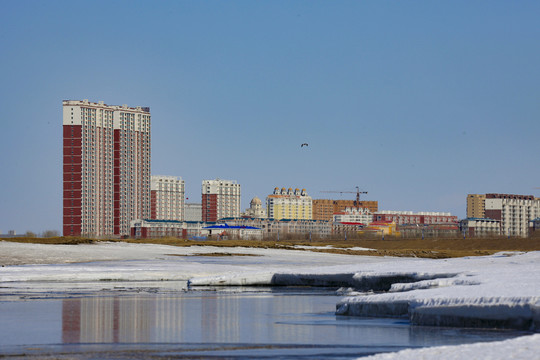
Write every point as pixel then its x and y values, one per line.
pixel 501 291
pixel 525 347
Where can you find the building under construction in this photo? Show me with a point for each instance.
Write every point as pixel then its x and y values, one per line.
pixel 323 209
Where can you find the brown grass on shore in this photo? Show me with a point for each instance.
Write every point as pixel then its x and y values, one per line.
pixel 425 248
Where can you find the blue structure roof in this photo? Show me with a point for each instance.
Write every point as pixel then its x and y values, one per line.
pixel 227 226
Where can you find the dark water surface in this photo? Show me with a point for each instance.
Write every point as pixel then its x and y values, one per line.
pixel 228 323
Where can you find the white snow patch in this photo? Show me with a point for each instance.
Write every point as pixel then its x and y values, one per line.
pixel 525 347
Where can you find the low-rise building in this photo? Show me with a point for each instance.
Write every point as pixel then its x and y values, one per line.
pixel 226 231
pixel 479 227
pixel 412 218
pixel 275 227
pixel 351 220
pixel 153 228
pixel 450 230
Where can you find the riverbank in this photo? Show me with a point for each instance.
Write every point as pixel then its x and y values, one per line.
pixel 433 248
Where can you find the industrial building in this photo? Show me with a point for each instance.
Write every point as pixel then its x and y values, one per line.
pixel 106 167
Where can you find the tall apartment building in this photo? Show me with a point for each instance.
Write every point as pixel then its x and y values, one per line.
pixel 167 198
pixel 220 199
pixel 289 204
pixel 106 172
pixel 323 209
pixel 476 206
pixel 514 211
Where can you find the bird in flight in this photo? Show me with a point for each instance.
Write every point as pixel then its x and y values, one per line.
pixel 304 144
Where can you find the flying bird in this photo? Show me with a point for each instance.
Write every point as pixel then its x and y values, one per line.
pixel 304 144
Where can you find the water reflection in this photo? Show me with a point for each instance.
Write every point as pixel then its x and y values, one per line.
pixel 207 318
pixel 266 318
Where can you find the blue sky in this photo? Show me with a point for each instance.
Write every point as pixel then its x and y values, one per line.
pixel 417 102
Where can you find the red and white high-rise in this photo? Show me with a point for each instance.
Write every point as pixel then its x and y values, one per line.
pixel 106 171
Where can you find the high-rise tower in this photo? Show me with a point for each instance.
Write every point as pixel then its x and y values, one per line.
pixel 106 167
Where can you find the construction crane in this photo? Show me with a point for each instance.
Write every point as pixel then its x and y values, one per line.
pixel 357 192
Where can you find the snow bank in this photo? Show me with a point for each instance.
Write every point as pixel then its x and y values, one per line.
pixel 525 347
pixel 494 291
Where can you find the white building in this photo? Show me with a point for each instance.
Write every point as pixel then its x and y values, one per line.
pixel 167 197
pixel 514 212
pixel 478 227
pixel 220 199
pixel 289 204
pixel 354 216
pixel 193 211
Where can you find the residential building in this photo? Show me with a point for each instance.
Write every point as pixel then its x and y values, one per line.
pixel 167 198
pixel 412 218
pixel 476 206
pixel 514 212
pixel 106 172
pixel 289 204
pixel 351 220
pixel 152 228
pixel 193 212
pixel 360 216
pixel 220 199
pixel 448 230
pixel 324 209
pixel 479 227
pixel 299 228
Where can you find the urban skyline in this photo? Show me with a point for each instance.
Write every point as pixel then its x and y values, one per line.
pixel 417 103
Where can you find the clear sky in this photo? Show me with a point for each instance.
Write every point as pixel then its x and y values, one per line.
pixel 417 102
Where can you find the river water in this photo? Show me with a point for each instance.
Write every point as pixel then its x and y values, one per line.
pixel 165 320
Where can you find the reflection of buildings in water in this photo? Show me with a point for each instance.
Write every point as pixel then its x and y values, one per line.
pixel 283 331
pixel 212 318
pixel 220 319
pixel 106 319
